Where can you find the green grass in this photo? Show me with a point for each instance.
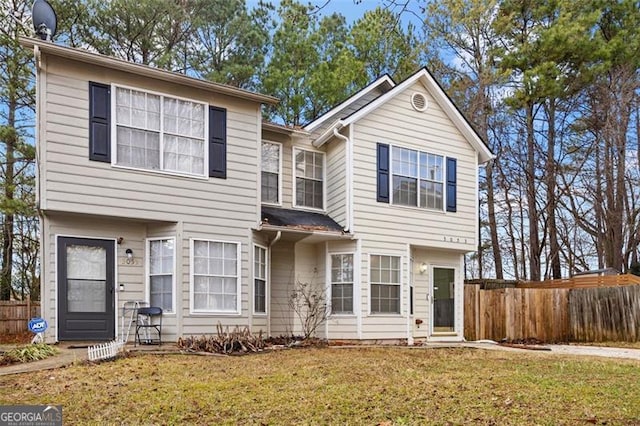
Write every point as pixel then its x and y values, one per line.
pixel 341 386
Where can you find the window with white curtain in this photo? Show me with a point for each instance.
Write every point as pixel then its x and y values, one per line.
pixel 158 132
pixel 215 276
pixel 161 263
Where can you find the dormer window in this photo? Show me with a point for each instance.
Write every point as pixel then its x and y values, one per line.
pixel 309 179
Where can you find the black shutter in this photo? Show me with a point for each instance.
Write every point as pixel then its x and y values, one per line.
pixel 383 173
pixel 99 122
pixel 217 142
pixel 451 185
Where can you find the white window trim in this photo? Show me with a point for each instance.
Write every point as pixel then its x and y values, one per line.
pixel 324 179
pixel 266 281
pixel 401 284
pixel 280 177
pixel 330 286
pixel 147 272
pixel 444 180
pixel 192 309
pixel 114 134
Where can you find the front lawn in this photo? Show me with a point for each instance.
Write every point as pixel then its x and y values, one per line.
pixel 338 386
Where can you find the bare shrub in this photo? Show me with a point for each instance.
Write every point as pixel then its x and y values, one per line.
pixel 308 302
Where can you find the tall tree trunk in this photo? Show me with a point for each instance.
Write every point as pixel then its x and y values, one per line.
pixel 534 241
pixel 493 225
pixel 554 246
pixel 9 189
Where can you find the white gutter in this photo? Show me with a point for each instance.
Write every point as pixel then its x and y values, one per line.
pixel 347 177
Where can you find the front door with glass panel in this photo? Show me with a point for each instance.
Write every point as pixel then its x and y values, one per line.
pixel 443 291
pixel 86 300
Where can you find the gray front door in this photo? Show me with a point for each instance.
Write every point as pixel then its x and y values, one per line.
pixel 86 303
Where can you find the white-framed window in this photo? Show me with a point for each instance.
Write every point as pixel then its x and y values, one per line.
pixel 342 283
pixel 385 279
pixel 259 279
pixel 271 172
pixel 417 178
pixel 154 131
pixel 160 273
pixel 215 276
pixel 309 178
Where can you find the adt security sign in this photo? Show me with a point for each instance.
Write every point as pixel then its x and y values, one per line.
pixel 37 325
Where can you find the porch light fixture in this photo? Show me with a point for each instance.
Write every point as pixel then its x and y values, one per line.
pixel 129 254
pixel 423 268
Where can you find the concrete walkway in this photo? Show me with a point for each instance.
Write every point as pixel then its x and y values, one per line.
pixel 65 357
pixel 71 354
pixel 578 350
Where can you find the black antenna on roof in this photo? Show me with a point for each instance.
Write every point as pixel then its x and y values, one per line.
pixel 44 19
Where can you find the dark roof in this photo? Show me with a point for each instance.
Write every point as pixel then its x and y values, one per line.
pixel 299 219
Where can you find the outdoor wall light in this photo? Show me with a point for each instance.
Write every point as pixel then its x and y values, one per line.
pixel 423 268
pixel 129 254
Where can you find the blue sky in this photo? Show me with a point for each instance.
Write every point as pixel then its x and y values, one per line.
pixel 351 10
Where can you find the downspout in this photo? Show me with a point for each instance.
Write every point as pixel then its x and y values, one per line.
pixel 336 133
pixel 275 240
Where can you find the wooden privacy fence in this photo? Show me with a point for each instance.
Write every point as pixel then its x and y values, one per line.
pixel 14 316
pixel 553 314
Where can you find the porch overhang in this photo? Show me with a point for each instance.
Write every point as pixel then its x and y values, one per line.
pixel 299 225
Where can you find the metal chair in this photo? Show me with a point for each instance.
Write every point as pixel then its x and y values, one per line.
pixel 149 321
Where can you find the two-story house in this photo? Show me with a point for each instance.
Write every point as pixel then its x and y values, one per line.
pixel 158 187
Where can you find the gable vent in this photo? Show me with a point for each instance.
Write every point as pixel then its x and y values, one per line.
pixel 419 102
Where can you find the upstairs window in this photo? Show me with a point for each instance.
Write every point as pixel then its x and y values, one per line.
pixel 158 132
pixel 309 179
pixel 417 178
pixel 271 172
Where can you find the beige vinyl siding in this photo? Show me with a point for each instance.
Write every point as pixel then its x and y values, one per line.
pixel 336 188
pixel 212 209
pixel 397 123
pixel 309 271
pixel 205 323
pixel 131 276
pixel 346 111
pixel 282 279
pixel 383 326
pixel 73 183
